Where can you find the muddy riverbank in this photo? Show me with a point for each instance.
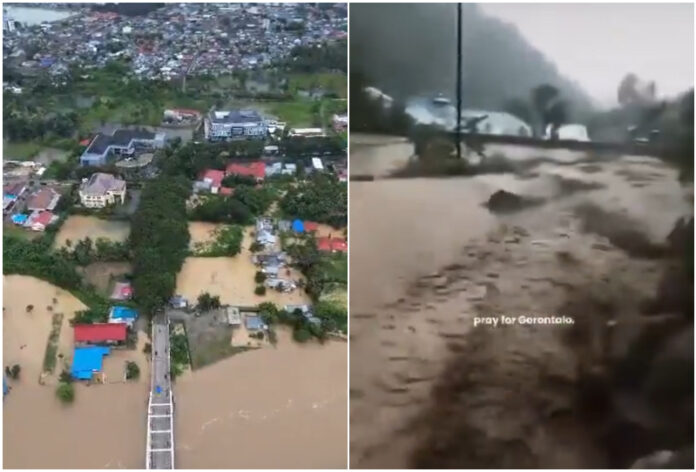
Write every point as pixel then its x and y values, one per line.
pixel 428 257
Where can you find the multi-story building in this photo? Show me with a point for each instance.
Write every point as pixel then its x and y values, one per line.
pixel 231 125
pixel 101 190
pixel 124 142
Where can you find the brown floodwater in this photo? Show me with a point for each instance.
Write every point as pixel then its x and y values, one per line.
pixel 79 227
pixel 282 407
pixel 427 257
pixel 231 278
pixel 103 428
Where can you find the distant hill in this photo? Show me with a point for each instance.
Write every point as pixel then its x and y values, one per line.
pixel 410 49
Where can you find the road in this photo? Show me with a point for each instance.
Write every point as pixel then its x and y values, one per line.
pixel 160 427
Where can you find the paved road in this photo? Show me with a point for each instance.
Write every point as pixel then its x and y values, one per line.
pixel 160 441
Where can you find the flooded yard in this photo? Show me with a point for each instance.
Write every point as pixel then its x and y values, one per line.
pixel 231 278
pixel 105 437
pixel 78 227
pixel 282 407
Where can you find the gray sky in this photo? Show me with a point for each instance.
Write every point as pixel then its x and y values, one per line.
pixel 596 45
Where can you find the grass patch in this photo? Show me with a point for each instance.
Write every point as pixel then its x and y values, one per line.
pixel 330 82
pixel 12 230
pixel 19 150
pixel 213 346
pixel 49 362
pixel 297 113
pixel 227 243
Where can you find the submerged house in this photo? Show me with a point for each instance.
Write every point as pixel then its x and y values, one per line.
pixel 87 361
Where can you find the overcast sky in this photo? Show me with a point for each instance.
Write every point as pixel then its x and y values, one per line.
pixel 596 45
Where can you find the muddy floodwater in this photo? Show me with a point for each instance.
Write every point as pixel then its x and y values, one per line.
pixel 261 409
pixel 427 258
pixel 78 227
pixel 231 278
pixel 90 433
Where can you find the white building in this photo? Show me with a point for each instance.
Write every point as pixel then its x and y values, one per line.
pixel 101 190
pixel 230 125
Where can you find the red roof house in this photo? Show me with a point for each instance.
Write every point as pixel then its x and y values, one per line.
pixel 256 169
pixel 213 176
pixel 226 191
pixel 100 333
pixel 332 244
pixel 311 226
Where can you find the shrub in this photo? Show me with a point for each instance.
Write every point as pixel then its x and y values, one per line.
pixel 65 377
pixel 16 369
pixel 65 392
pixel 260 277
pixel 260 290
pixel 132 370
pixel 256 246
pixel 147 349
pixel 301 335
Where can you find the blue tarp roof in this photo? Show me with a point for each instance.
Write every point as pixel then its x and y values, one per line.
pixel 298 226
pixel 87 360
pixel 20 218
pixel 123 313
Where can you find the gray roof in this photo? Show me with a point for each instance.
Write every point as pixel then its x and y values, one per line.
pixel 235 116
pixel 100 183
pixel 121 137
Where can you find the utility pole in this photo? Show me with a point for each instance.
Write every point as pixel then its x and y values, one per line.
pixel 458 131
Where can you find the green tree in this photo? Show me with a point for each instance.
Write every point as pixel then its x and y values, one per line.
pixel 132 370
pixel 207 302
pixel 65 392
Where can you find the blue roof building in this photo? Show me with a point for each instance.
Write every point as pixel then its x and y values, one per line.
pixel 87 361
pixel 20 218
pixel 298 226
pixel 122 314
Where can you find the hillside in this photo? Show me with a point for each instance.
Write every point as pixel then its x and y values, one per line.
pixel 409 49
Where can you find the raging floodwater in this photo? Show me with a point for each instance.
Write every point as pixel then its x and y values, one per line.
pixel 427 258
pixel 38 431
pixel 282 407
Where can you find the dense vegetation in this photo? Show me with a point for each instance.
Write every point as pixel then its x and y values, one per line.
pixel 35 258
pixel 159 240
pixel 332 319
pixel 323 198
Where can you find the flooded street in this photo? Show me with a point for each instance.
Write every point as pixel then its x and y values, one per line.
pixel 282 407
pixel 77 228
pixel 90 433
pixel 427 257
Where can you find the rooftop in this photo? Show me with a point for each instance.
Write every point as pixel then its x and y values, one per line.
pixel 235 116
pixel 100 183
pixel 100 332
pixel 87 360
pixel 252 169
pixel 121 137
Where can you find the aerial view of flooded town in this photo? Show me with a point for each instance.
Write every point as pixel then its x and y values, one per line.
pixel 175 235
pixel 521 228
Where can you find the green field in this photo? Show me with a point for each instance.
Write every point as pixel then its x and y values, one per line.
pixel 330 82
pixel 19 150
